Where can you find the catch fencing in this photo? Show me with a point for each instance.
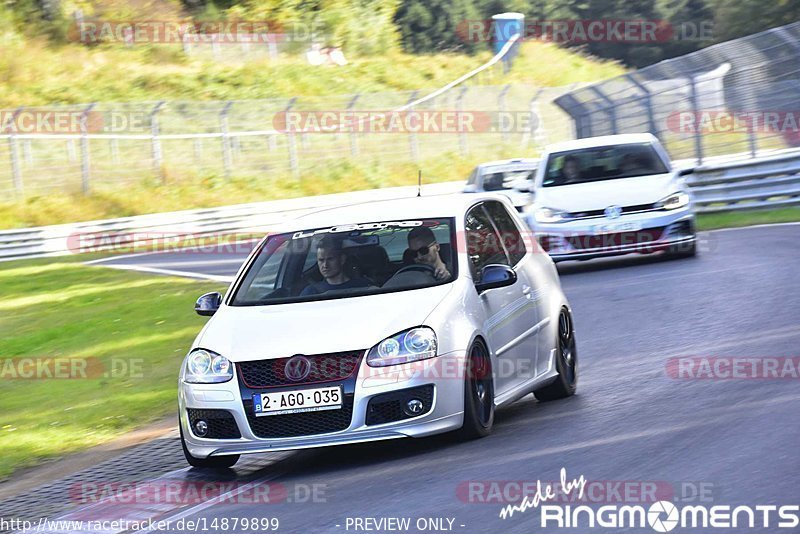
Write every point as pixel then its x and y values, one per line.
pixel 740 96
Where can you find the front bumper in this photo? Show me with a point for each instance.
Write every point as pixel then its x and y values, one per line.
pixel 657 231
pixel 445 414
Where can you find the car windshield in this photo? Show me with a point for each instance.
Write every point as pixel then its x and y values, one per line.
pixel 503 179
pixel 602 163
pixel 349 261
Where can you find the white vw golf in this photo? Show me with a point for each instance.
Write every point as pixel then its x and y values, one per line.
pixel 392 319
pixel 612 195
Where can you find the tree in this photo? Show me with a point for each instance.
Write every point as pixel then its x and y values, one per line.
pixel 737 18
pixel 435 25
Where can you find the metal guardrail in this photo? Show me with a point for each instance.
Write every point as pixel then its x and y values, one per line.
pixel 767 182
pixel 165 231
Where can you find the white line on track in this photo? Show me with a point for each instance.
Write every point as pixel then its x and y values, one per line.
pixel 155 252
pixel 171 272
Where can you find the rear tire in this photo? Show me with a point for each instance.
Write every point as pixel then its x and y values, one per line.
pixel 566 382
pixel 478 394
pixel 212 462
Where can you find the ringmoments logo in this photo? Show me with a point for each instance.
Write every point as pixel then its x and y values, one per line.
pixel 660 516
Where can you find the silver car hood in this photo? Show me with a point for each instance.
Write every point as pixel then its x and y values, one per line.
pixel 245 333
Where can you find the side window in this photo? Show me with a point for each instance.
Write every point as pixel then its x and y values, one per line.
pixel 266 278
pixel 483 243
pixel 509 232
pixel 473 177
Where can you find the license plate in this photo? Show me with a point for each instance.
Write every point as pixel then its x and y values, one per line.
pixel 611 228
pixel 298 401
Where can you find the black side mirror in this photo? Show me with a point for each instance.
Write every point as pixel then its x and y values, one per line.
pixel 494 276
pixel 208 304
pixel 684 172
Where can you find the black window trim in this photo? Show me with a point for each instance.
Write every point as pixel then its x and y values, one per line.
pixel 482 206
pixel 494 224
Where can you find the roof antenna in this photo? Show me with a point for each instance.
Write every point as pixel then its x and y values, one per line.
pixel 419 183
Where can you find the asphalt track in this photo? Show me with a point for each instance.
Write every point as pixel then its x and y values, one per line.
pixel 734 440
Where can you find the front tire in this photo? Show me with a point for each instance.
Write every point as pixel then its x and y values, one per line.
pixel 566 382
pixel 683 250
pixel 212 462
pixel 478 394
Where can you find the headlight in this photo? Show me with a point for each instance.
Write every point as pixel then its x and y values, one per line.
pixel 205 367
pixel 551 215
pixel 409 346
pixel 673 201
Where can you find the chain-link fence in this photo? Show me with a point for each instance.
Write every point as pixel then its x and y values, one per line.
pixel 738 97
pixel 102 146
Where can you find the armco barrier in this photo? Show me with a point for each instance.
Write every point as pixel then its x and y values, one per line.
pixel 238 219
pixel 725 186
pixel 768 182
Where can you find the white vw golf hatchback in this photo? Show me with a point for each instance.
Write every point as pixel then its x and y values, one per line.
pixel 384 320
pixel 612 195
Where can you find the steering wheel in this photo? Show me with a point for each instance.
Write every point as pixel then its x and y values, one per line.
pixel 420 267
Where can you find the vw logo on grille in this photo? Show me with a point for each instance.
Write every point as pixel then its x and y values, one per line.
pixel 613 212
pixel 297 368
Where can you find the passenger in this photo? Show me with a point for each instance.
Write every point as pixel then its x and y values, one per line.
pixel 331 261
pixel 632 165
pixel 422 244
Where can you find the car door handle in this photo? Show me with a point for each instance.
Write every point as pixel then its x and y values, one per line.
pixel 526 290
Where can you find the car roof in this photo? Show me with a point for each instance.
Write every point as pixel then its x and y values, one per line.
pixel 605 140
pixel 505 162
pixel 433 206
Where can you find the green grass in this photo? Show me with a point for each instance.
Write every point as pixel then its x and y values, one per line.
pixel 34 73
pixel 712 221
pixel 63 309
pixel 188 191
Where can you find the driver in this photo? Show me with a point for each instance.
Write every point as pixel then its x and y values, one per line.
pixel 330 261
pixel 570 170
pixel 422 244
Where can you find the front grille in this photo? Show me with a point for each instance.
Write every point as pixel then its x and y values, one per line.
pixel 300 424
pixel 618 239
pixel 221 424
pixel 588 214
pixel 263 374
pixel 388 407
